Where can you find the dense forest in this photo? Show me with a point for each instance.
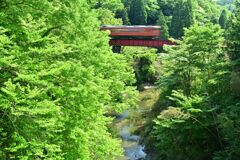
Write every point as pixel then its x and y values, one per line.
pixel 60 80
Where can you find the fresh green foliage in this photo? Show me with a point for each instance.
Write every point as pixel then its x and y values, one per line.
pixel 106 11
pixel 199 112
pixel 194 57
pixel 58 77
pixel 193 79
pixel 152 9
pixel 107 17
pixel 186 131
pixel 207 11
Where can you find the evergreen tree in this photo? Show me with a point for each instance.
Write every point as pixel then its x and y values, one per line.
pixel 183 17
pixel 189 14
pixel 233 47
pixel 176 30
pixel 223 19
pixel 167 6
pixel 233 38
pixel 164 28
pixel 122 13
pixel 125 18
pixel 137 12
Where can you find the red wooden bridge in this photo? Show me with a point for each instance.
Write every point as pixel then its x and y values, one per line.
pixel 146 36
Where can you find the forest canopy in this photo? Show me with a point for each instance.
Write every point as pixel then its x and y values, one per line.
pixel 54 92
pixel 60 80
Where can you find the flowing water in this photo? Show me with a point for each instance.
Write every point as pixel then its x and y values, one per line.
pixel 133 120
pixel 132 149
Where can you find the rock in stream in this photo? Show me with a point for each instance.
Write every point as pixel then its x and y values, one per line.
pixel 133 150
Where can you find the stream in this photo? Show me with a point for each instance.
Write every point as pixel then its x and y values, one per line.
pixel 132 149
pixel 133 121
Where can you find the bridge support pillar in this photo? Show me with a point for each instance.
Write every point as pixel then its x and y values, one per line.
pixel 116 49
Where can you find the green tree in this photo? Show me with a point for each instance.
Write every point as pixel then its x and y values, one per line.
pixel 189 16
pixel 123 14
pixel 106 11
pixel 54 92
pixel 137 12
pixel 145 64
pixel 232 37
pixel 223 19
pixel 177 23
pixel 190 72
pixel 164 28
pixel 167 6
pixel 229 121
pixel 176 29
pixel 107 17
pixel 207 11
pixel 183 17
pixel 152 9
pixel 194 58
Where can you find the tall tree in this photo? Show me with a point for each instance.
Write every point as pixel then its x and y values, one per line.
pixel 223 19
pixel 233 46
pixel 164 28
pixel 137 13
pixel 185 73
pixel 183 17
pixel 189 14
pixel 233 38
pixel 176 30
